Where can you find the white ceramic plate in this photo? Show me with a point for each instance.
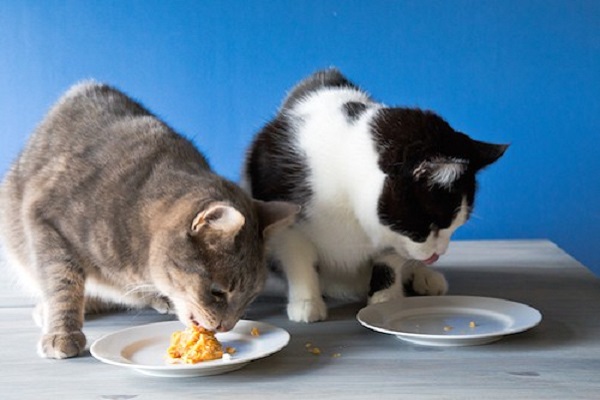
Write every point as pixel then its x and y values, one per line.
pixel 447 320
pixel 144 348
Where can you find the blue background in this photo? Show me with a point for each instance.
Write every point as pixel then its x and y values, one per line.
pixel 519 72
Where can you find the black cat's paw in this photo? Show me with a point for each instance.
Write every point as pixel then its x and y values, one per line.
pixel 61 345
pixel 310 310
pixel 427 282
pixel 384 295
pixel 384 285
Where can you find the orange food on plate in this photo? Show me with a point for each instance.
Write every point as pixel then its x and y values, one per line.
pixel 194 345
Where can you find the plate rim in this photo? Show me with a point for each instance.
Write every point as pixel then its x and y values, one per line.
pixel 226 366
pixel 535 315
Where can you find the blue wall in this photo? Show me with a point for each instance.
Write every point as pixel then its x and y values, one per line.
pixel 522 72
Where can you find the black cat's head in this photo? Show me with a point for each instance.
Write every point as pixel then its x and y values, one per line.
pixel 430 183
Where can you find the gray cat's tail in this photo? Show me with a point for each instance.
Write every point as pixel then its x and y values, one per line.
pixel 327 78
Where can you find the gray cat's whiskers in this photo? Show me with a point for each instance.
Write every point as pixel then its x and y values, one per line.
pixel 146 290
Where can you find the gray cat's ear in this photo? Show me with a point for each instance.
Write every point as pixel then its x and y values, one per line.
pixel 219 218
pixel 440 171
pixel 275 215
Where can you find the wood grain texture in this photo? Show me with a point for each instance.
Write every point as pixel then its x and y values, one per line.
pixel 559 359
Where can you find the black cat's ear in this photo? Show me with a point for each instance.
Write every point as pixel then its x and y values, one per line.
pixel 275 215
pixel 440 171
pixel 219 218
pixel 485 154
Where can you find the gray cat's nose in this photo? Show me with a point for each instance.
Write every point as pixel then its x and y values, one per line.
pixel 225 326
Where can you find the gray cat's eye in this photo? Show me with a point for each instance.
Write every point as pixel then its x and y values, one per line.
pixel 217 292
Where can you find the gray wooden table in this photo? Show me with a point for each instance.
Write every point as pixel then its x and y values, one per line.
pixel 559 359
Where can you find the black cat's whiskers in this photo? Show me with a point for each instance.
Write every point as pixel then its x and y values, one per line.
pixel 475 216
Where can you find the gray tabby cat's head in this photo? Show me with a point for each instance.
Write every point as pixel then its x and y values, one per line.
pixel 208 258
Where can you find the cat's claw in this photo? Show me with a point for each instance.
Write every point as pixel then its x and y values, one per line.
pixel 429 282
pixel 61 345
pixel 311 310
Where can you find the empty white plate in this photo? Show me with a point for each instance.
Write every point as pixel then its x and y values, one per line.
pixel 144 348
pixel 449 320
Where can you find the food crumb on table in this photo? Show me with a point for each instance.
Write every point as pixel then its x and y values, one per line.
pixel 311 349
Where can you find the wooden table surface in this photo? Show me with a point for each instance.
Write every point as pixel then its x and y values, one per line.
pixel 559 359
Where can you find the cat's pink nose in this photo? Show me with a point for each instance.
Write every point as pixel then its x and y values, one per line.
pixel 432 259
pixel 224 327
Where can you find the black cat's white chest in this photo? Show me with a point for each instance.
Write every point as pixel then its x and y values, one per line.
pixel 340 241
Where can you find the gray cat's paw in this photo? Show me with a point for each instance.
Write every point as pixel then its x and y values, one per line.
pixel 307 310
pixel 426 281
pixel 61 345
pixel 162 305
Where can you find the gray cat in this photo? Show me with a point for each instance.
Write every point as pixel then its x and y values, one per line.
pixel 108 205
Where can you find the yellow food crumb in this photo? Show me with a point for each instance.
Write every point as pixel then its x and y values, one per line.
pixel 255 332
pixel 230 350
pixel 448 328
pixel 311 349
pixel 336 355
pixel 472 324
pixel 194 345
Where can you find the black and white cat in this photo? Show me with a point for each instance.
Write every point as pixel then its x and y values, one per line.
pixel 382 190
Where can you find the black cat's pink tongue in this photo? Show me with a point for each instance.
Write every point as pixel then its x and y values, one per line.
pixel 432 259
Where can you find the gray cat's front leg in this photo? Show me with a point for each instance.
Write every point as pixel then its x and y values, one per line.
pixel 298 258
pixel 393 274
pixel 62 282
pixel 62 311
